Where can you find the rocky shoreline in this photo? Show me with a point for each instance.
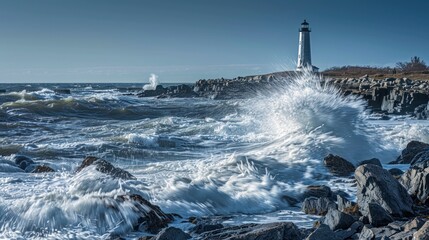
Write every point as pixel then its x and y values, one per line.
pixel 401 96
pixel 390 204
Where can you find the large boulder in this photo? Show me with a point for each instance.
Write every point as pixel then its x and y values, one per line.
pixel 413 148
pixel 104 166
pixel 416 181
pixel 323 232
pixel 317 206
pixel 22 161
pixel 318 191
pixel 338 220
pixel 338 166
pixel 346 206
pixel 374 161
pixel 422 233
pixel 421 160
pixel 377 185
pixel 251 231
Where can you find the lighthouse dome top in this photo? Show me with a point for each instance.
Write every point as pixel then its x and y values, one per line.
pixel 304 23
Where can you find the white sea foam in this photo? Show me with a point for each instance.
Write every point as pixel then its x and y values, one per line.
pixel 153 82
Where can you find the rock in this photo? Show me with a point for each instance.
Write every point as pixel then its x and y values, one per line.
pixel 420 160
pixel 377 185
pixel 348 233
pixel 290 200
pixel 366 234
pixel 346 206
pixel 378 217
pixel 414 224
pixel 323 233
pixel 317 206
pixel 377 233
pixel 396 172
pixel 338 166
pixel 412 149
pixel 22 161
pixel 416 181
pixel 374 161
pixel 105 167
pixel 422 233
pixel 171 233
pixel 338 220
pixel 318 191
pixel 152 218
pixel 42 169
pixel 251 231
pixel 205 227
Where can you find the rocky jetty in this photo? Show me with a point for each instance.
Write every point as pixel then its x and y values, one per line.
pixel 388 95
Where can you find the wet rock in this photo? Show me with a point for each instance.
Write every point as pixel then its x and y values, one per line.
pixel 22 161
pixel 42 169
pixel 62 91
pixel 377 185
pixel 413 148
pixel 348 233
pixel 416 181
pixel 374 161
pixel 151 217
pixel 377 233
pixel 422 233
pixel 378 217
pixel 414 224
pixel 323 233
pixel 272 231
pixel 290 200
pixel 317 206
pixel 105 167
pixel 338 166
pixel 171 233
pixel 318 191
pixel 338 220
pixel 421 160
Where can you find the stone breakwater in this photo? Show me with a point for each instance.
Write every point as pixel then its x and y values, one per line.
pixel 389 95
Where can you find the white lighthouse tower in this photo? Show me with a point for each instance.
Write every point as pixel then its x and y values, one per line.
pixel 304 52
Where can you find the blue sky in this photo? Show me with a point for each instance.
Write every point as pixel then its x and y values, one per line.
pixel 183 41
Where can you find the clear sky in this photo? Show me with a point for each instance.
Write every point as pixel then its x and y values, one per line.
pixel 186 40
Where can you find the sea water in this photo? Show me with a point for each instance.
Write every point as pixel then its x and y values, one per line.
pixel 191 156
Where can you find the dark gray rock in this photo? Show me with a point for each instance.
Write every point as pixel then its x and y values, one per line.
pixel 413 148
pixel 377 185
pixel 205 227
pixel 22 161
pixel 378 217
pixel 105 167
pixel 42 169
pixel 374 161
pixel 414 224
pixel 422 233
pixel 420 160
pixel 318 191
pixel 352 230
pixel 317 206
pixel 377 233
pixel 323 233
pixel 171 233
pixel 290 200
pixel 338 166
pixel 338 220
pixel 396 172
pixel 272 231
pixel 416 181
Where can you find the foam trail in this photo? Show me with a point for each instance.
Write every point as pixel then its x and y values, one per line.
pixel 153 82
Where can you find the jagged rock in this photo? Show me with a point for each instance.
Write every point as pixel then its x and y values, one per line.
pixel 344 205
pixel 420 160
pixel 272 231
pixel 414 224
pixel 348 233
pixel 318 191
pixel 377 233
pixel 323 232
pixel 105 167
pixel 422 233
pixel 338 166
pixel 172 233
pixel 396 172
pixel 42 169
pixel 377 185
pixel 317 206
pixel 416 181
pixel 290 200
pixel 413 148
pixel 22 161
pixel 374 161
pixel 338 220
pixel 378 217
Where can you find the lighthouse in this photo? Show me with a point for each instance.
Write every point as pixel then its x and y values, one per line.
pixel 304 52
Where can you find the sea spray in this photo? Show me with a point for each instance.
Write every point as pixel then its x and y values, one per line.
pixel 153 82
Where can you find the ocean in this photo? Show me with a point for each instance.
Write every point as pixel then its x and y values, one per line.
pixel 192 156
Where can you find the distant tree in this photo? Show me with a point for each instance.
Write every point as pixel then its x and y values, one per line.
pixel 416 64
